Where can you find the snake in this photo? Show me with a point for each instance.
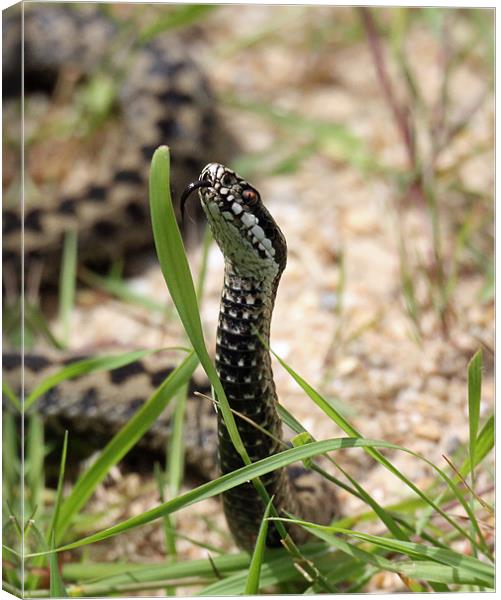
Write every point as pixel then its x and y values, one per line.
pixel 97 405
pixel 161 96
pixel 255 255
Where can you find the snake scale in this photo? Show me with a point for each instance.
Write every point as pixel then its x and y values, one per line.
pixel 255 256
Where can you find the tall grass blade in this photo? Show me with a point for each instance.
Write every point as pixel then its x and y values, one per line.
pixel 57 589
pixel 11 465
pixel 169 533
pixel 484 444
pixel 34 464
pixel 59 491
pixel 474 394
pixel 252 584
pixel 175 455
pixel 177 275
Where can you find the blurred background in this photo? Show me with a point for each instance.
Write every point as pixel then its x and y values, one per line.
pixel 369 134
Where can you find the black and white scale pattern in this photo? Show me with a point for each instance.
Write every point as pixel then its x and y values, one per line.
pixel 255 254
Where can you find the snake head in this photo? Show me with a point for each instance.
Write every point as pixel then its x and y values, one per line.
pixel 242 226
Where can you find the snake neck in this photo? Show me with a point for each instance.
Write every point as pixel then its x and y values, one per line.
pixel 244 366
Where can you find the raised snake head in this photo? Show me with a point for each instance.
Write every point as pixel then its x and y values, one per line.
pixel 245 231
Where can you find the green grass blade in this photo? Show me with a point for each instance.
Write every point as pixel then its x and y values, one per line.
pixel 81 367
pixel 169 533
pixel 34 464
pixel 177 275
pixel 253 577
pixel 374 453
pixel 484 444
pixel 57 589
pixel 67 282
pixel 124 440
pixel 59 491
pixel 11 466
pixel 11 397
pixel 175 455
pixel 474 394
pixel 230 480
pixel 450 567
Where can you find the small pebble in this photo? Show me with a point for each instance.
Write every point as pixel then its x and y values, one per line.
pixel 428 430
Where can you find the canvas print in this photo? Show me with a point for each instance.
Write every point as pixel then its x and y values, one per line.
pixel 248 299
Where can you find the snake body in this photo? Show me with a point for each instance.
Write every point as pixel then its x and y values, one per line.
pixel 255 254
pixel 163 98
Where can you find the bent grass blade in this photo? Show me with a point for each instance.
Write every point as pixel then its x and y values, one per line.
pixel 228 481
pixel 177 275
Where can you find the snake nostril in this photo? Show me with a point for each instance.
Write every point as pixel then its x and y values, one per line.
pixel 206 176
pixel 227 180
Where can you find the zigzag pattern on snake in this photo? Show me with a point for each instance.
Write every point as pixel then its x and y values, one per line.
pixel 162 97
pixel 158 82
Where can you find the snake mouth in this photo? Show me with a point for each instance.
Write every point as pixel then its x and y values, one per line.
pixel 189 190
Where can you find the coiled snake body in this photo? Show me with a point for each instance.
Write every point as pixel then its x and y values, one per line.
pixel 161 97
pixel 255 256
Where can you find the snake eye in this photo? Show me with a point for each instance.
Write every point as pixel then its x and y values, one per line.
pixel 250 196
